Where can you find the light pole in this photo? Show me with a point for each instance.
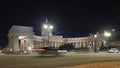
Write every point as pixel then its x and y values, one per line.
pixel 107 35
pixel 48 28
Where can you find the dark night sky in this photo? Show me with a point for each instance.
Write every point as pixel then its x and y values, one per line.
pixel 70 18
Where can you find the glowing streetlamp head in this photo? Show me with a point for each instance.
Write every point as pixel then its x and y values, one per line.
pixel 95 36
pixel 45 26
pixel 107 34
pixel 51 27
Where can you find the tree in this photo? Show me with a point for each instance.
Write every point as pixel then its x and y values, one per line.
pixel 68 47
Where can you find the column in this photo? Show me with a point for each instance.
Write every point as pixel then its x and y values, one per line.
pixel 10 42
pixel 80 44
pixel 30 42
pixel 84 44
pixel 95 46
pixel 87 44
pixel 15 44
pixel 55 44
pixel 90 45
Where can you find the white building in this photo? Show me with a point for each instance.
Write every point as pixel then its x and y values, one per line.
pixel 22 38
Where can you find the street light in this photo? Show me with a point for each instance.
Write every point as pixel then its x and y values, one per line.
pixel 107 34
pixel 51 27
pixel 45 26
pixel 48 26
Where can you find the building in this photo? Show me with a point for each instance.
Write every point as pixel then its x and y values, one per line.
pixel 22 38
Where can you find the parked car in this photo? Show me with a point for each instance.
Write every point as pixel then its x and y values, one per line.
pixel 113 50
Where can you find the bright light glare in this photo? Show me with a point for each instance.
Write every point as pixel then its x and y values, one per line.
pixel 51 27
pixel 95 36
pixel 107 34
pixel 45 26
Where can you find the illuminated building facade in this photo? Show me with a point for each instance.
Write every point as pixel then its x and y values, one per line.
pixel 22 38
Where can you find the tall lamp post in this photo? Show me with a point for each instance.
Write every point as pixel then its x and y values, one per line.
pixel 48 29
pixel 107 35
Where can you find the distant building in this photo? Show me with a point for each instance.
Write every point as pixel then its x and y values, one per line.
pixel 22 38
